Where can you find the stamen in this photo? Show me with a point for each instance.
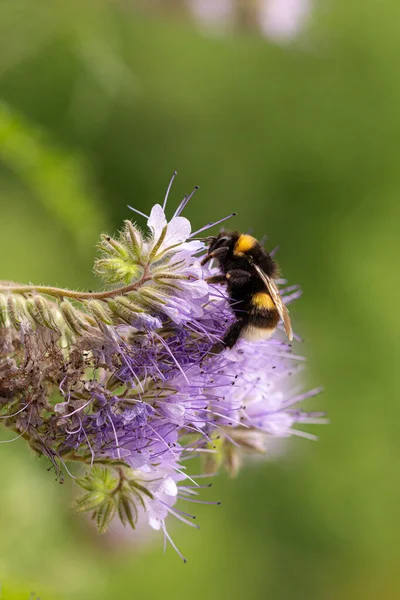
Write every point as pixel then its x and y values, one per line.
pixel 185 475
pixel 185 202
pixel 173 357
pixel 138 212
pixel 168 189
pixel 165 540
pixel 206 450
pixel 302 397
pixel 198 501
pixel 303 434
pixel 13 439
pixel 212 223
pixel 181 206
pixel 166 534
pixel 231 440
pixel 162 440
pixel 65 467
pixel 177 510
pixel 18 411
pixel 22 432
pixel 289 288
pixel 234 421
pixel 173 512
pixel 188 492
pixel 191 487
pixel 286 355
pixel 204 475
pixel 203 433
pixel 90 448
pixel 76 430
pixel 310 420
pixel 115 436
pixel 77 410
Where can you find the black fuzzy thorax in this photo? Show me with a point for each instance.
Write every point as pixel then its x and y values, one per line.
pixel 257 254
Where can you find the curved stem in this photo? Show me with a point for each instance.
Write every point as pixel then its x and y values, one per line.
pixel 61 293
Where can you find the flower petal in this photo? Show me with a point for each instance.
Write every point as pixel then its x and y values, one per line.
pixel 157 221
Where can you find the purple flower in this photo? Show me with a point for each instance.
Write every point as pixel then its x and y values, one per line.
pixel 139 389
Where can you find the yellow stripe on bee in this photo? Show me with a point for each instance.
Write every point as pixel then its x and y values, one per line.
pixel 263 300
pixel 244 244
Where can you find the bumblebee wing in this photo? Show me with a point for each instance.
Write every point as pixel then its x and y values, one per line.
pixel 277 300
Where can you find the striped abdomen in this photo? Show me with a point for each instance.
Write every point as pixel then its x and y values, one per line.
pixel 262 318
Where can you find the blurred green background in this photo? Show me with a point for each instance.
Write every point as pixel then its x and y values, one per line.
pixel 100 102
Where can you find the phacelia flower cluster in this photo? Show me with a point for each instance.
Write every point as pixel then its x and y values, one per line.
pixel 124 381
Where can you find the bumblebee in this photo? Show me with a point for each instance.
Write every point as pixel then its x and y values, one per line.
pixel 249 271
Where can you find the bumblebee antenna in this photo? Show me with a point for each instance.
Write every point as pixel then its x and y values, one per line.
pixel 185 202
pixel 168 189
pixel 212 223
pixel 206 239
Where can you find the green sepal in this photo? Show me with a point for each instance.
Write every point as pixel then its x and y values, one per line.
pixel 110 490
pixel 153 253
pixel 104 515
pixel 135 485
pixel 127 511
pixel 149 295
pixel 124 308
pixel 117 269
pixel 89 501
pixel 15 310
pixel 121 260
pixel 132 238
pixel 3 311
pixel 39 311
pixel 72 318
pixel 100 311
pixel 112 247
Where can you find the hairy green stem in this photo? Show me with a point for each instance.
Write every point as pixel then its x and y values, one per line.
pixel 61 293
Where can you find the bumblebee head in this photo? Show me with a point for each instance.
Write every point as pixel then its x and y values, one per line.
pixel 223 239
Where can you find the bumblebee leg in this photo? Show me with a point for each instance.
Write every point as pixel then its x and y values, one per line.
pixel 217 279
pixel 218 253
pixel 238 277
pixel 233 333
pixel 230 338
pixel 206 259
